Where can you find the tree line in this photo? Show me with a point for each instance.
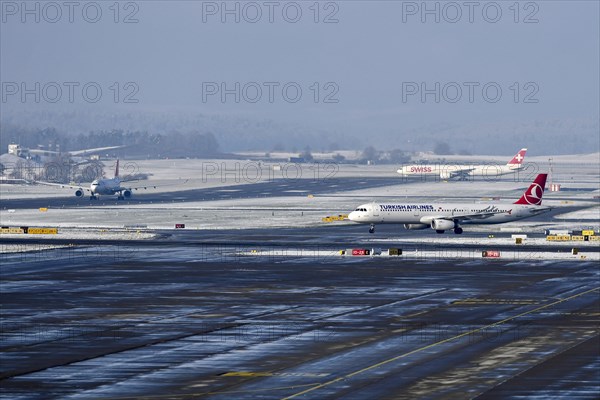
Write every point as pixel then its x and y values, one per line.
pixel 136 143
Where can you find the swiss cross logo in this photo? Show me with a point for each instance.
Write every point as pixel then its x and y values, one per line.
pixel 519 157
pixel 534 195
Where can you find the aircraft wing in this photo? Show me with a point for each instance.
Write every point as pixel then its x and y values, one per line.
pixel 145 187
pixel 61 185
pixel 463 217
pixel 476 216
pixel 91 151
pixel 150 186
pixel 459 172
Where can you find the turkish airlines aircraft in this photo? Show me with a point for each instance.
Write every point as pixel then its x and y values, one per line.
pixel 449 171
pixel 449 216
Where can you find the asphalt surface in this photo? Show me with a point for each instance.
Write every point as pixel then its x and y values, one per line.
pixel 275 187
pixel 322 238
pixel 187 318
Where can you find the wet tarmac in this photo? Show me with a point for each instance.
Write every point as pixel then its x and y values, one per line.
pixel 201 316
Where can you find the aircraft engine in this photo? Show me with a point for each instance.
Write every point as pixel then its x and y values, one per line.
pixel 445 175
pixel 442 224
pixel 127 193
pixel 79 192
pixel 415 226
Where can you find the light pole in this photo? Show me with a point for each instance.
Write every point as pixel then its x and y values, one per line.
pixel 550 172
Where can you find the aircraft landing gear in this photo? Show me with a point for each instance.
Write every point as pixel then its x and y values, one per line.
pixel 120 198
pixel 458 230
pixel 93 197
pixel 439 231
pixel 372 229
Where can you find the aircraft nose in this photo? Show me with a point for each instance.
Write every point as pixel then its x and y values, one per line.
pixel 352 216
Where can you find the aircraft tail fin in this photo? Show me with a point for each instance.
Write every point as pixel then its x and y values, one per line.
pixel 533 194
pixel 117 169
pixel 517 160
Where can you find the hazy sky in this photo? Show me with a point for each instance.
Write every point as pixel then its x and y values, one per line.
pixel 361 66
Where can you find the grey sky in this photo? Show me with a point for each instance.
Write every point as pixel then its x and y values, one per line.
pixel 369 56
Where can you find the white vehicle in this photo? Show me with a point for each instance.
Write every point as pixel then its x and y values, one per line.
pixel 450 171
pixel 450 216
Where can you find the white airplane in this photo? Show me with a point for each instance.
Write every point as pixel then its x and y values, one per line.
pixel 25 152
pixel 107 187
pixel 104 186
pixel 449 171
pixel 449 216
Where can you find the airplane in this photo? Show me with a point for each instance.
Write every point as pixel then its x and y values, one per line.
pixel 81 155
pixel 104 186
pixel 107 187
pixel 449 171
pixel 450 216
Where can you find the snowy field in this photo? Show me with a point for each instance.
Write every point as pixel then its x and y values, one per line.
pixel 572 172
pixel 278 212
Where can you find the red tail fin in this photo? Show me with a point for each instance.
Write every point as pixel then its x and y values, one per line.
pixel 518 158
pixel 533 194
pixel 117 170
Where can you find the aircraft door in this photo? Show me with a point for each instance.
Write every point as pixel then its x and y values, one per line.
pixel 375 210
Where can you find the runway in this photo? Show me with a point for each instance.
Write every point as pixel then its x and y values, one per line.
pixel 275 187
pixel 195 315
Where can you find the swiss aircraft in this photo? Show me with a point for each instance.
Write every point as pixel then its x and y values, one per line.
pixel 450 216
pixel 463 172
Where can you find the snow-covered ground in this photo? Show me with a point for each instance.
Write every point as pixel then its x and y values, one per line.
pixel 300 210
pixel 279 212
pixel 591 214
pixel 24 248
pixel 90 233
pixel 572 172
pixel 445 254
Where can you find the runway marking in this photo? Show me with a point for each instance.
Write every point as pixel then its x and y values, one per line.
pixel 474 301
pixel 282 374
pixel 389 360
pixel 411 315
pixel 193 395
